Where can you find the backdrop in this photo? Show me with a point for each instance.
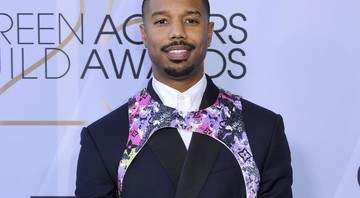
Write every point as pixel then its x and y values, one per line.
pixel 66 63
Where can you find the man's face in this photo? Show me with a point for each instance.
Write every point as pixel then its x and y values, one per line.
pixel 177 34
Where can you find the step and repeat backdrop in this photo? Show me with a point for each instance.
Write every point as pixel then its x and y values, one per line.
pixel 66 63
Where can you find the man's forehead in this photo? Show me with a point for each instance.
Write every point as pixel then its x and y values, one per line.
pixel 173 6
pixel 168 12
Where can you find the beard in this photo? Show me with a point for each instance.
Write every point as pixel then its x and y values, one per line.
pixel 179 72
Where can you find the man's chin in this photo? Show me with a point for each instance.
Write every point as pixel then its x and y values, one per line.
pixel 177 61
pixel 179 74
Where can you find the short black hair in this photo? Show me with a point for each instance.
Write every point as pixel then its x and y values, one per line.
pixel 205 2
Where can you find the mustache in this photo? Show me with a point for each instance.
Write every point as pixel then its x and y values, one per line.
pixel 175 43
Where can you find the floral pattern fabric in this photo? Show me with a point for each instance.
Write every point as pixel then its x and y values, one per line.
pixel 222 121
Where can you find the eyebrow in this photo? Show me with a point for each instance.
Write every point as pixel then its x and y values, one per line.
pixel 193 12
pixel 163 12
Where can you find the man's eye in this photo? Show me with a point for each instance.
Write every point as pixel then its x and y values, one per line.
pixel 191 21
pixel 162 21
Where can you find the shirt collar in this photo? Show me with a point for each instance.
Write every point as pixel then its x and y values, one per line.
pixel 170 97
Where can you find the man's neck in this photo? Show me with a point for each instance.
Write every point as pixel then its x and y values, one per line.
pixel 180 84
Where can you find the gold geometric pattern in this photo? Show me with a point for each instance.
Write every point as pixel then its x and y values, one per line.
pixel 40 62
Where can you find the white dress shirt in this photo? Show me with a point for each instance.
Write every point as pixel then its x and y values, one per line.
pixel 188 100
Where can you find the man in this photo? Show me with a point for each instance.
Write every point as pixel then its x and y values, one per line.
pixel 182 136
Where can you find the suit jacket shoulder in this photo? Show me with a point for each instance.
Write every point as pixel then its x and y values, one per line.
pixel 102 145
pixel 265 131
pixel 110 134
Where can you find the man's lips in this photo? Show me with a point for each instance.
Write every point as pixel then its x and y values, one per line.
pixel 178 54
pixel 178 51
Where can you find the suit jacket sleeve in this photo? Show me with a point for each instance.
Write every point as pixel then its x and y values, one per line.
pixel 93 178
pixel 276 176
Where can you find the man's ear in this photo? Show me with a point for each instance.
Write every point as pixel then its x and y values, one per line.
pixel 210 31
pixel 143 34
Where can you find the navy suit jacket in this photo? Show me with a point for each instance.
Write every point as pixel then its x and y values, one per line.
pixel 165 169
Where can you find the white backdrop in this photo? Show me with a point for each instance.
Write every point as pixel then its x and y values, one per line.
pixel 298 58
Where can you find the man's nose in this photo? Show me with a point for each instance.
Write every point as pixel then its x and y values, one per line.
pixel 177 31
